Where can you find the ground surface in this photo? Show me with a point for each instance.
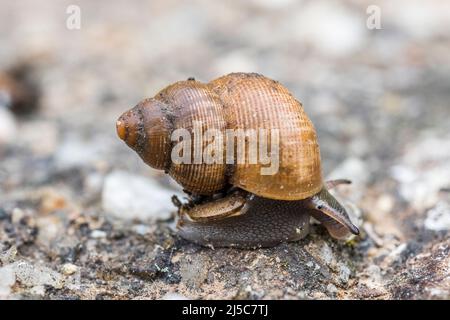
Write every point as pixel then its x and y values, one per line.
pixel 82 217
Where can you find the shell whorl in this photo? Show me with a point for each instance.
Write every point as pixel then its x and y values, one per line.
pixel 146 129
pixel 192 101
pixel 235 101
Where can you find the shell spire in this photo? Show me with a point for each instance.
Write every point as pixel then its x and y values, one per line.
pixel 146 129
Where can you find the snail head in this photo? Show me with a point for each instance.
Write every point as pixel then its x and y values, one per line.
pixel 325 208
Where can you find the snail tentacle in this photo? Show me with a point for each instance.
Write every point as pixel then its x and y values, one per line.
pixel 325 208
pixel 330 184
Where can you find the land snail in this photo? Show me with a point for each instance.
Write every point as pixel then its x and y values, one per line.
pixel 233 200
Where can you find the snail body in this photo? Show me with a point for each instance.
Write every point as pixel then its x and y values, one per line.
pixel 262 204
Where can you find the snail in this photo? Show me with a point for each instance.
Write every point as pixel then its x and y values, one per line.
pixel 237 202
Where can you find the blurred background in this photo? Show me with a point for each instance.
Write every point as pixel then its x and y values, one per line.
pixel 377 88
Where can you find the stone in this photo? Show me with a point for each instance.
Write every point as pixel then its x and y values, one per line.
pixel 344 272
pixel 193 271
pixel 438 218
pixel 7 280
pixel 326 254
pixel 17 215
pixel 98 234
pixel 425 275
pixel 174 296
pixel 69 269
pixel 8 127
pixel 8 256
pixel 128 196
pixel 50 228
pixel 141 229
pixel 31 275
pixel 37 290
pixel 331 288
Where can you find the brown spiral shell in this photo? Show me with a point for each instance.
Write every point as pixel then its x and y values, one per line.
pixel 235 101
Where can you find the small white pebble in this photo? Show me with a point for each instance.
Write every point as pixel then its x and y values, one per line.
pixel 331 288
pixel 8 256
pixel 438 218
pixel 98 234
pixel 17 215
pixel 174 296
pixel 141 229
pixel 7 280
pixel 128 197
pixel 38 290
pixel 8 127
pixel 344 273
pixel 69 269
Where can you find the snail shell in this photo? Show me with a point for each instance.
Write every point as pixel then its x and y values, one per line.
pixel 235 101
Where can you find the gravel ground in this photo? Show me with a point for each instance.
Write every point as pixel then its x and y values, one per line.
pixel 81 217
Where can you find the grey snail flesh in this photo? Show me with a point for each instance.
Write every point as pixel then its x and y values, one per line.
pixel 254 222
